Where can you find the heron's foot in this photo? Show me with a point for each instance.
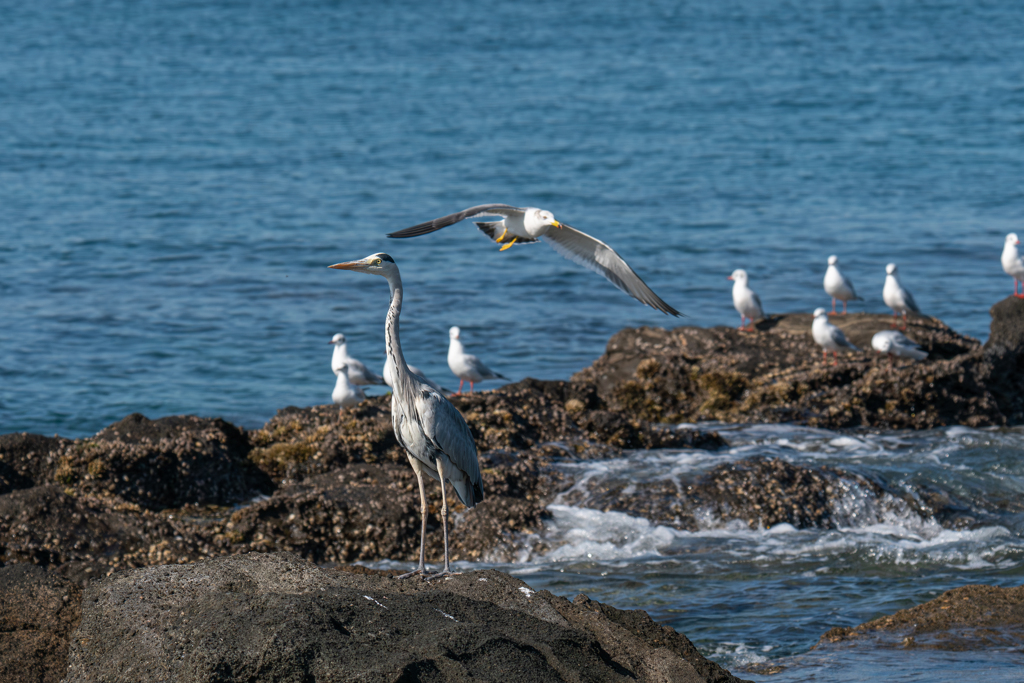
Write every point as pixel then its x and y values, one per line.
pixel 440 575
pixel 415 572
pixel 509 244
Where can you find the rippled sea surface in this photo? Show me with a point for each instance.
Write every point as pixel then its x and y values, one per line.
pixel 176 176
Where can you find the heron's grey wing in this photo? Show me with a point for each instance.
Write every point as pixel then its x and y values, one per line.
pixel 481 367
pixel 453 218
pixel 909 300
pixel 840 339
pixel 444 425
pixel 491 230
pixel 594 254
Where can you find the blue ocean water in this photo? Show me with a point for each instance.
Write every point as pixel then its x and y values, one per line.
pixel 176 176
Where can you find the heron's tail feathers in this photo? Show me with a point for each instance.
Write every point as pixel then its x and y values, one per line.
pixel 470 493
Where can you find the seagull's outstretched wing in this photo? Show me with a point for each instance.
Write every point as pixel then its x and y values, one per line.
pixel 908 299
pixel 453 218
pixel 444 425
pixel 594 254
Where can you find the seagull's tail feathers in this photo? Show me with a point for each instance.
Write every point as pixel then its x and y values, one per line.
pixel 494 230
pixel 915 352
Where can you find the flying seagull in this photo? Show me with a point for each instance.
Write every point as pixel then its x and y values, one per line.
pixel 525 226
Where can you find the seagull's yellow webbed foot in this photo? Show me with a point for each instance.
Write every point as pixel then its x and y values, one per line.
pixel 509 244
pixel 500 238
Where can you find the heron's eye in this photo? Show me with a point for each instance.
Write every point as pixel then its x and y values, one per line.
pixel 376 262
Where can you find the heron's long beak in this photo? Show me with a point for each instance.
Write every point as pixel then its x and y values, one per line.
pixel 350 265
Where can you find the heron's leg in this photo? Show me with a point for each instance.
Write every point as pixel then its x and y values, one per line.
pixel 509 244
pixel 444 522
pixel 416 467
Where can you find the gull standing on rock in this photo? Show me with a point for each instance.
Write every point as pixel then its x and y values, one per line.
pixel 419 375
pixel 433 433
pixel 528 225
pixel 466 366
pixel 358 373
pixel 828 336
pixel 896 297
pixel 895 344
pixel 838 286
pixel 747 303
pixel 345 393
pixel 1013 264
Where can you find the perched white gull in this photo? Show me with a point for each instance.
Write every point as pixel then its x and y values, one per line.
pixel 747 303
pixel 896 297
pixel 895 344
pixel 466 366
pixel 345 393
pixel 838 286
pixel 358 373
pixel 828 336
pixel 1013 264
pixel 418 374
pixel 529 225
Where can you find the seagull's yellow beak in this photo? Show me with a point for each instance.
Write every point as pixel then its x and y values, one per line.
pixel 556 224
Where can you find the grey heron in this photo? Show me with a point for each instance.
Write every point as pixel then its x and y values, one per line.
pixel 838 286
pixel 746 301
pixel 1013 264
pixel 529 225
pixel 466 366
pixel 346 394
pixel 434 434
pixel 828 336
pixel 896 296
pixel 358 373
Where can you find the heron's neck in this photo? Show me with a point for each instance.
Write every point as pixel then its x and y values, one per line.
pixel 392 343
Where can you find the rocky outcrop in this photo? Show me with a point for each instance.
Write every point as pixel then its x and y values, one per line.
pixel 275 617
pixel 38 612
pixel 776 374
pixel 965 618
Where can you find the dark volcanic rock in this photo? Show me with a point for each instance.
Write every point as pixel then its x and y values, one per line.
pixel 966 618
pixel 776 374
pixel 38 612
pixel 274 617
pixel 27 460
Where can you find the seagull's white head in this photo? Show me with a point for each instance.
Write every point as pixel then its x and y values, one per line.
pixel 891 269
pixel 377 264
pixel 1012 239
pixel 739 275
pixel 818 312
pixel 882 343
pixel 538 221
pixel 338 339
pixel 453 333
pixel 832 260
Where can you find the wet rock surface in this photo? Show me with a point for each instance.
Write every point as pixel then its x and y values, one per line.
pixel 965 618
pixel 277 617
pixel 776 374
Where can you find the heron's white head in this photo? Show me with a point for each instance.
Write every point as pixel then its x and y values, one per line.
pixel 538 219
pixel 832 260
pixel 818 312
pixel 891 269
pixel 378 264
pixel 1012 239
pixel 453 333
pixel 739 275
pixel 338 339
